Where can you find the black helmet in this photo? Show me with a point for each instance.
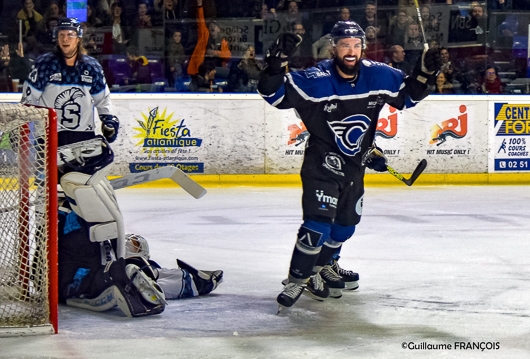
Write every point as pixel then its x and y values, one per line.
pixel 347 29
pixel 68 23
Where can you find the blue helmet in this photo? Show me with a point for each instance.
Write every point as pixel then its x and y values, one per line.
pixel 347 29
pixel 68 23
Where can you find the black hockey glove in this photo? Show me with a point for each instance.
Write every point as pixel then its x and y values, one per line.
pixel 109 127
pixel 428 67
pixel 375 159
pixel 279 52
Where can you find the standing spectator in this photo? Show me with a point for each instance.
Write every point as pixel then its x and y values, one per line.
pixel 302 58
pixel 290 16
pixel 143 16
pixel 371 17
pixel 120 30
pixel 397 60
pixel 322 48
pixel 413 43
pixel 266 14
pixel 92 20
pixel 491 84
pixel 32 20
pixel 175 58
pixel 170 10
pixel 398 28
pixel 45 37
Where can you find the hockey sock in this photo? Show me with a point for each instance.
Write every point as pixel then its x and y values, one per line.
pixel 327 252
pixel 311 236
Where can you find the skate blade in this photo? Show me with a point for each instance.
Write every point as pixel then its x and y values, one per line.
pixel 351 286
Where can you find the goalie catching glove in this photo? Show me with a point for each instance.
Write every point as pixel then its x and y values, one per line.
pixel 109 127
pixel 375 159
pixel 279 52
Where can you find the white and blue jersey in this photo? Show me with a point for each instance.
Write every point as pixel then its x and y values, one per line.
pixel 341 115
pixel 73 91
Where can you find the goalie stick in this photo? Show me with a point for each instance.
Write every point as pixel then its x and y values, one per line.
pixel 173 173
pixel 417 172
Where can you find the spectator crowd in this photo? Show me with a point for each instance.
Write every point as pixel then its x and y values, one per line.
pixel 188 45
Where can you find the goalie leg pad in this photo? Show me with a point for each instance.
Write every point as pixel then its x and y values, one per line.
pixel 146 286
pixel 128 298
pixel 105 301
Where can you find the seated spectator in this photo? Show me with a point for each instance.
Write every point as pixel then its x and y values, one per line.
pixel 53 11
pixel 397 60
pixel 443 86
pixel 491 84
pixel 32 21
pixel 45 37
pixel 344 14
pixel 244 75
pixel 374 48
pixel 430 22
pixel 204 80
pixel 141 74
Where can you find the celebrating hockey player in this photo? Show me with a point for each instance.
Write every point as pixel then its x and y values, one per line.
pixel 339 101
pixel 72 83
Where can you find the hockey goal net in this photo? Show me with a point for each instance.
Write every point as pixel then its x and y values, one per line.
pixel 28 220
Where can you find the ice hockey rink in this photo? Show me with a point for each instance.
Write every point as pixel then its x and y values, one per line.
pixel 445 273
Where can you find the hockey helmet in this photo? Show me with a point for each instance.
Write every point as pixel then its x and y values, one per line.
pixel 136 246
pixel 347 29
pixel 68 23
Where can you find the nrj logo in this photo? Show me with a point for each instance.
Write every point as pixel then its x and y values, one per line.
pixel 453 127
pixel 158 132
pixel 387 127
pixel 297 134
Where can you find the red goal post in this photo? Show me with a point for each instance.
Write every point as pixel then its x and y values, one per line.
pixel 28 220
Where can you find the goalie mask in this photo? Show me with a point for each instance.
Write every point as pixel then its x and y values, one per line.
pixel 136 246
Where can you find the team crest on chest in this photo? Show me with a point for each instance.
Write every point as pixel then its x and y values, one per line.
pixel 349 133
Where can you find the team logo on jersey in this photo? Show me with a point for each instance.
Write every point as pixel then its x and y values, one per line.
pixel 349 133
pixel 70 109
pixel 56 77
pixel 334 162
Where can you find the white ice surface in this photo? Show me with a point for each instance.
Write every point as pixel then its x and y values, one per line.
pixel 438 265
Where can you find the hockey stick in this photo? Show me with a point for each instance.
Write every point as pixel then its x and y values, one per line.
pixel 173 173
pixel 417 172
pixel 420 22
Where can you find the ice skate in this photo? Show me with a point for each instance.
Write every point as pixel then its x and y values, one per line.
pixel 206 281
pixel 316 288
pixel 350 278
pixel 289 295
pixel 333 280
